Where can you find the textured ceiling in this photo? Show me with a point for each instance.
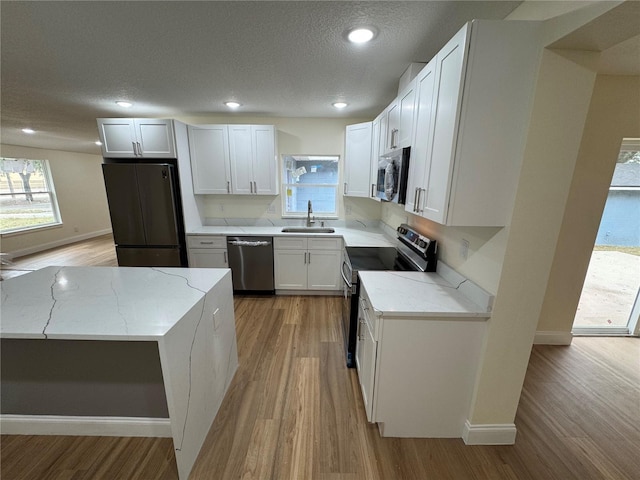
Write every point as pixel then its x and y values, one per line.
pixel 65 63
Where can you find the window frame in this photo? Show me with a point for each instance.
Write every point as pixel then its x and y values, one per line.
pixel 326 216
pixel 49 190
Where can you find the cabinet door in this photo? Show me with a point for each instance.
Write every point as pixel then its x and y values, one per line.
pixel 155 138
pixel 375 156
pixel 323 269
pixel 366 352
pixel 240 152
pixel 393 126
pixel 118 137
pixel 406 102
pixel 208 258
pixel 357 160
pixel 290 269
pixel 209 149
pixel 420 162
pixel 265 162
pixel 450 63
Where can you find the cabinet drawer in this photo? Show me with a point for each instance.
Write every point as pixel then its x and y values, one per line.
pixel 367 313
pixel 324 243
pixel 206 241
pixel 290 243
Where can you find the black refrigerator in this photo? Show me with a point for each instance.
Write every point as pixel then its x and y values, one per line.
pixel 145 209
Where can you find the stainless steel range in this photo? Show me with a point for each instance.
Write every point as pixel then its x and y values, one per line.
pixel 413 252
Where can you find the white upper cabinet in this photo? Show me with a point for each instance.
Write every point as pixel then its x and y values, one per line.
pixel 471 123
pixel 420 160
pixel 357 160
pixel 254 164
pixel 137 138
pixel 210 166
pixel 375 155
pixel 396 122
pixel 265 160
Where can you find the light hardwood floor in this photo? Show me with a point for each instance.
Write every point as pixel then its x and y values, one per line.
pixel 293 411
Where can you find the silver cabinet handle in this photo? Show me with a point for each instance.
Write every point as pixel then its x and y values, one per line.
pixel 139 149
pixel 345 188
pixel 251 186
pixel 228 187
pixel 394 134
pixel 206 243
pixel 135 151
pixel 421 199
pixel 226 262
pixel 360 331
pixel 415 200
pixel 373 190
pixel 309 258
pixel 305 258
pixel 255 187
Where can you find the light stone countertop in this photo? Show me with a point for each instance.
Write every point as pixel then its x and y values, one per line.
pixel 417 294
pixel 101 303
pixel 353 237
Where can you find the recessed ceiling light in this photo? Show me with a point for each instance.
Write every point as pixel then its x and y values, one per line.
pixel 124 104
pixel 232 104
pixel 28 130
pixel 98 143
pixel 360 35
pixel 339 105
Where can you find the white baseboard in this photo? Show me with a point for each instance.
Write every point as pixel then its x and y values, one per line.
pixel 91 426
pixel 553 338
pixel 489 434
pixel 58 243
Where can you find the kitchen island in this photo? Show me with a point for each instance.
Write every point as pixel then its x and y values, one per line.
pixel 118 351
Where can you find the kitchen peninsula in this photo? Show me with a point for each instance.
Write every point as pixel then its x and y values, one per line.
pixel 118 351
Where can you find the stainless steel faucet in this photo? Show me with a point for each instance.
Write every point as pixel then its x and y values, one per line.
pixel 310 220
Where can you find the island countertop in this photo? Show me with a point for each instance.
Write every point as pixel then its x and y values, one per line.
pixel 101 303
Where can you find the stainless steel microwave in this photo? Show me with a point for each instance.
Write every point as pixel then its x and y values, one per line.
pixel 393 171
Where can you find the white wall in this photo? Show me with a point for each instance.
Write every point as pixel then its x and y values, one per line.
pixel 614 114
pixel 294 136
pixel 79 186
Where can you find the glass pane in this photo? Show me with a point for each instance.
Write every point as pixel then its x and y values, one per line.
pixel 311 169
pixel 22 176
pixel 323 199
pixel 25 210
pixel 25 195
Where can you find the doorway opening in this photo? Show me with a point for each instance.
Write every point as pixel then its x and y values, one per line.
pixel 610 299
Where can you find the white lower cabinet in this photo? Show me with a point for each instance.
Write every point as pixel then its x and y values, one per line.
pixel 417 374
pixel 302 263
pixel 207 251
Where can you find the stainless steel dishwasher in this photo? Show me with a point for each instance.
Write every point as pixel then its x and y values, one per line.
pixel 251 263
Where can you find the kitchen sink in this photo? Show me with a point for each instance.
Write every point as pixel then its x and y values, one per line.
pixel 308 230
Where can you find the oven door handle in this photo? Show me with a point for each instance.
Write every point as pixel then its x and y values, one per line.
pixel 344 277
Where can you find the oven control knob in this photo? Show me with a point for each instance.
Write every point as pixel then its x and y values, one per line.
pixel 402 230
pixel 422 244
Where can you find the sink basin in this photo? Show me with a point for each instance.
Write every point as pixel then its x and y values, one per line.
pixel 308 230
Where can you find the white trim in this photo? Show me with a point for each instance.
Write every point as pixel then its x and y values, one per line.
pixel 93 426
pixel 57 243
pixel 489 434
pixel 603 331
pixel 552 338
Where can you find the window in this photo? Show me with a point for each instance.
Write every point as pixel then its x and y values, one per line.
pixel 27 197
pixel 310 177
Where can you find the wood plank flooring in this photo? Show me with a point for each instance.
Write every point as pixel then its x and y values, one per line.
pixel 293 411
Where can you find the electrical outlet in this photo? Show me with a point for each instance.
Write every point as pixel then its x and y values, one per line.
pixel 464 249
pixel 271 209
pixel 76 229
